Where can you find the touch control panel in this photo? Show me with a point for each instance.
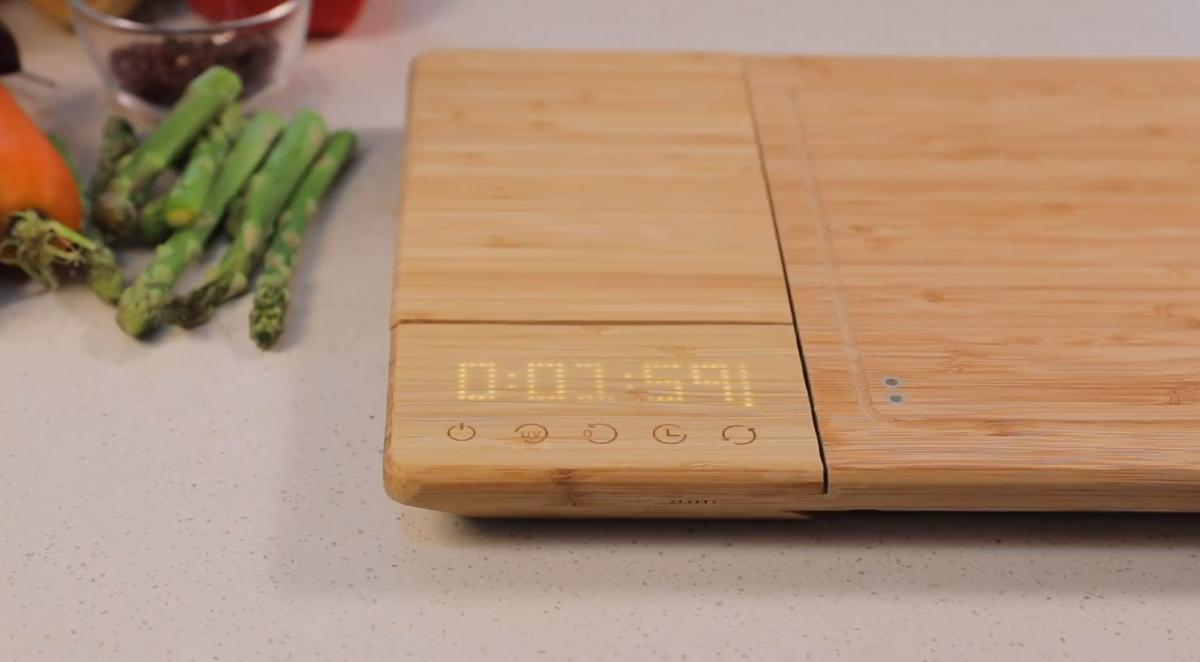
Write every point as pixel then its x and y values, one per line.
pixel 572 400
pixel 602 434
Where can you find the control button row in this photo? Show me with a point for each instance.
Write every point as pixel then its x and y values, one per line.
pixel 603 433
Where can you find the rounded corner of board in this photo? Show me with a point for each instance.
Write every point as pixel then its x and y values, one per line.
pixel 399 483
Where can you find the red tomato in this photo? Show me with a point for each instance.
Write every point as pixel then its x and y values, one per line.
pixel 228 10
pixel 333 17
pixel 329 17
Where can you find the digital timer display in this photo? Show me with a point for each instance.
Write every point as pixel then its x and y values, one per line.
pixel 581 381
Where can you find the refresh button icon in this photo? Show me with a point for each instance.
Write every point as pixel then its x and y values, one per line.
pixel 600 433
pixel 740 435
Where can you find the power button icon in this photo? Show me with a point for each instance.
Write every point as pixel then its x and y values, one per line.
pixel 461 432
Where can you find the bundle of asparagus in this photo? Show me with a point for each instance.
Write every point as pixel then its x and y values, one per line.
pixel 135 173
pixel 272 292
pixel 266 194
pixel 274 172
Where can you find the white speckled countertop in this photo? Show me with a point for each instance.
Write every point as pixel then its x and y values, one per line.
pixel 195 499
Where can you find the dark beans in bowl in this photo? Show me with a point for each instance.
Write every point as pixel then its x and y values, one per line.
pixel 158 72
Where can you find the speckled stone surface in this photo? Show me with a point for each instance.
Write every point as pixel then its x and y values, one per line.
pixel 195 499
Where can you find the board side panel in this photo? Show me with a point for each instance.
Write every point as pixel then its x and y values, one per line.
pixel 993 275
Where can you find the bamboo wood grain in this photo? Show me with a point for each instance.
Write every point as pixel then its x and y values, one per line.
pixel 1007 248
pixel 585 187
pixel 1013 242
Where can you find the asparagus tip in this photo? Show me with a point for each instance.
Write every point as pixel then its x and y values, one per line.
pixel 266 318
pixel 198 306
pixel 138 311
pixel 116 214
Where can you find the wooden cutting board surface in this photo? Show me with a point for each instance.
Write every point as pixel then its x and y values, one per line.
pixel 992 268
pixel 584 188
pixel 590 314
pixel 995 272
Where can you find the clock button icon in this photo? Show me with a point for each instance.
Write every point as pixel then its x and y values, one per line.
pixel 532 433
pixel 669 434
pixel 461 432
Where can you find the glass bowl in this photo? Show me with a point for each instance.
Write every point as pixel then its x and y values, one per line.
pixel 148 59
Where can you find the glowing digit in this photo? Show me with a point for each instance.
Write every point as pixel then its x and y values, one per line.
pixel 676 386
pixel 464 381
pixel 560 381
pixel 598 380
pixel 722 369
pixel 747 394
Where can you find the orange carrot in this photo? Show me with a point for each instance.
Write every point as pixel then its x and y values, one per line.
pixel 33 175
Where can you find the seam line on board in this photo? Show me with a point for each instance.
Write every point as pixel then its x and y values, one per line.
pixel 406 320
pixel 762 164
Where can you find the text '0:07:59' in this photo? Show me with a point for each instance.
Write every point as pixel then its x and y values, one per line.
pixel 582 381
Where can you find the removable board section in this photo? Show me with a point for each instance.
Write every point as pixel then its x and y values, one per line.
pixel 585 187
pixel 995 272
pixel 513 419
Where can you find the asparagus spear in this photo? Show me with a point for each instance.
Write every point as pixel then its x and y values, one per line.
pixel 206 95
pixel 141 304
pixel 154 220
pixel 272 294
pixel 183 201
pixel 266 195
pixel 152 227
pixel 233 220
pixel 117 140
pixel 104 273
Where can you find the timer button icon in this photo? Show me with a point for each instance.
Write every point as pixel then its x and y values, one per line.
pixel 461 432
pixel 600 433
pixel 669 434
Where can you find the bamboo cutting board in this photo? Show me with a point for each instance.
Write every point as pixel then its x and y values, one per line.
pixel 951 284
pixel 1014 244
